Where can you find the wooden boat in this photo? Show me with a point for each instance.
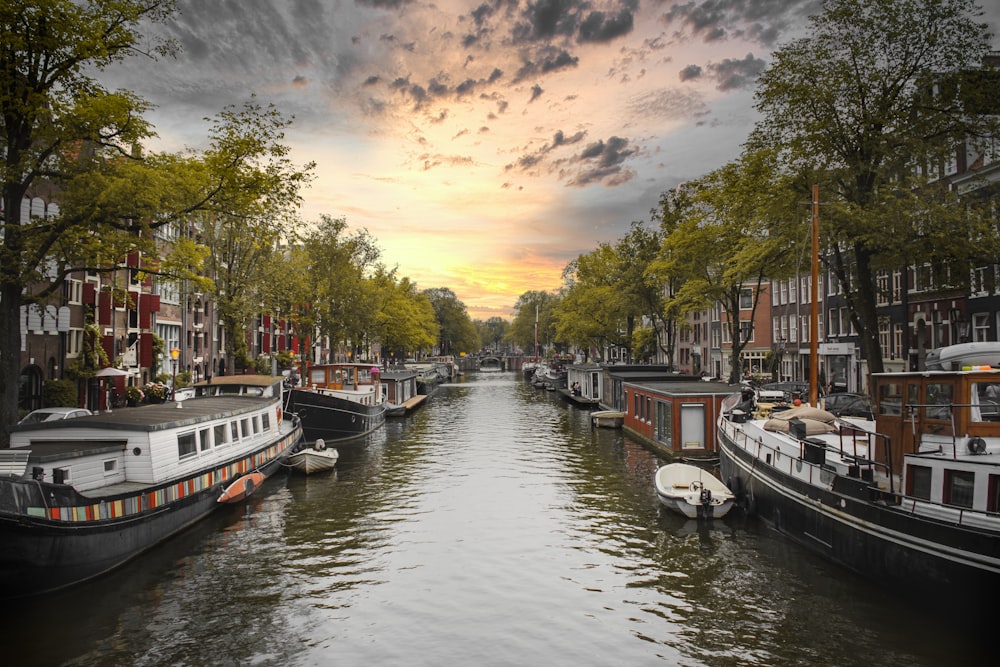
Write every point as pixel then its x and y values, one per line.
pixel 79 497
pixel 313 459
pixel 607 419
pixel 692 491
pixel 339 401
pixel 909 500
pixel 242 487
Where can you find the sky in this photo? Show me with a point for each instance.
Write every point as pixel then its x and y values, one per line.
pixel 484 145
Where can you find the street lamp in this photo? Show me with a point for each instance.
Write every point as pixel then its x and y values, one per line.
pixel 174 353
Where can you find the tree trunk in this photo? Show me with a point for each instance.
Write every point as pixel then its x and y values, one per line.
pixel 10 358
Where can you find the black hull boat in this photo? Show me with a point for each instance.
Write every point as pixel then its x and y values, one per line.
pixel 340 401
pixel 331 418
pixel 909 500
pixel 81 497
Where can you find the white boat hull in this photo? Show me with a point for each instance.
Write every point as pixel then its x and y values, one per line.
pixel 692 492
pixel 310 460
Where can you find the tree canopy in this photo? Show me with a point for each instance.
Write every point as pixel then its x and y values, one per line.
pixel 870 105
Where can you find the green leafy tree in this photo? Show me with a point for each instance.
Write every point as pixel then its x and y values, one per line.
pixel 611 290
pixel 405 322
pixel 338 262
pixel 731 240
pixel 869 104
pixel 59 126
pixel 250 215
pixel 457 333
pixel 533 322
pixel 492 332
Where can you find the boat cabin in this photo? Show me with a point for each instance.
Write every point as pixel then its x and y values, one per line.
pixel 943 426
pixel 679 415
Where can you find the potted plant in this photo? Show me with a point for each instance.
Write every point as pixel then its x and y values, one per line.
pixel 156 392
pixel 133 395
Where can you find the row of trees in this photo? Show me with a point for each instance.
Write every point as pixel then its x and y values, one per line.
pixel 232 209
pixel 870 106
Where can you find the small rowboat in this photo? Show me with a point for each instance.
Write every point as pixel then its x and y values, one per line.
pixel 242 487
pixel 314 459
pixel 692 491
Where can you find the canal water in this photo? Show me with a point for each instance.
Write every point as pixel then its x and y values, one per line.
pixel 492 527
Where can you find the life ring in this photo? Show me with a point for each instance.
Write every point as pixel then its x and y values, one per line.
pixel 319 445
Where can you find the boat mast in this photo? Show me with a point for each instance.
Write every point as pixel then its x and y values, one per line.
pixel 814 304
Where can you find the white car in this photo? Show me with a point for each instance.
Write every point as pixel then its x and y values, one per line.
pixel 53 414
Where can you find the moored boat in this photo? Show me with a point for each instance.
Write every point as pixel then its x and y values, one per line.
pixel 339 401
pixel 692 491
pixel 317 458
pixel 607 419
pixel 909 500
pixel 79 497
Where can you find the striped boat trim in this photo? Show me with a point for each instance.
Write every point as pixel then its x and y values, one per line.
pixel 146 501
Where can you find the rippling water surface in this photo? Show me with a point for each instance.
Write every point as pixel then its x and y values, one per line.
pixel 492 527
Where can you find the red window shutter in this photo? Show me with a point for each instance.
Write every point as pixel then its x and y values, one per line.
pixel 146 350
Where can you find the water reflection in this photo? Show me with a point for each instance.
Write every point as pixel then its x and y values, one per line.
pixel 491 527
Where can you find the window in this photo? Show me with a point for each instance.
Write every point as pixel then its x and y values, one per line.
pixel 980 327
pixel 919 481
pixel 993 494
pixel 746 299
pixel 245 427
pixel 649 410
pixel 220 434
pixel 890 399
pixel 186 446
pixel 256 424
pixel 206 439
pixel 958 487
pixel 939 399
pixel 234 429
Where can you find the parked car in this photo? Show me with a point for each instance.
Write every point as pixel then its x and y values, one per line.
pixel 53 414
pixel 844 404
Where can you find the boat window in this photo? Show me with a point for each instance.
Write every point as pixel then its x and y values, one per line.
pixel 918 481
pixel 256 424
pixel 110 466
pixel 265 420
pixel 245 427
pixel 993 494
pixel 234 430
pixel 186 447
pixel 229 389
pixel 220 434
pixel 664 422
pixel 986 401
pixel 316 376
pixel 939 398
pixel 649 410
pixel 205 438
pixel 890 399
pixel 958 487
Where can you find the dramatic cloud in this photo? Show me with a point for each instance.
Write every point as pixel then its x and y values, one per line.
pixel 732 74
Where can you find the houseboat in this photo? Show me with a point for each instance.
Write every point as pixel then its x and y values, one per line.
pixel 80 497
pixel 401 391
pixel 339 401
pixel 910 500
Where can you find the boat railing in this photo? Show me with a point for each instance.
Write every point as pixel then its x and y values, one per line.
pixel 811 460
